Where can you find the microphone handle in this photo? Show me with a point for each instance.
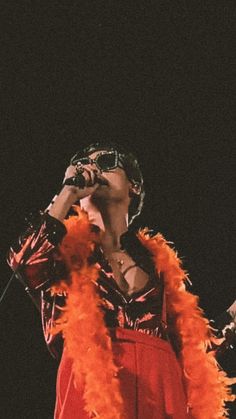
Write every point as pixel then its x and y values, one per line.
pixel 80 181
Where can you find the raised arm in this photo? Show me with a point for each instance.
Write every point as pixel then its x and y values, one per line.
pixel 35 258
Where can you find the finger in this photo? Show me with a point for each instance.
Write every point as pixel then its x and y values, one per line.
pixel 70 172
pixel 90 176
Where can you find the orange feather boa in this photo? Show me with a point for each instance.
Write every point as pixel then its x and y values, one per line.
pixel 88 343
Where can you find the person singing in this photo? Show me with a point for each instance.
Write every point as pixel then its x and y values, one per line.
pixel 131 341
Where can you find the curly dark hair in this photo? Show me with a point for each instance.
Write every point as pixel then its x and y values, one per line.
pixel 131 168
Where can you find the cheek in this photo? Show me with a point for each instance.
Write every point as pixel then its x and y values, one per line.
pixel 121 188
pixel 119 181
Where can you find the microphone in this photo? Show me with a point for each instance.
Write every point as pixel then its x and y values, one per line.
pixel 80 181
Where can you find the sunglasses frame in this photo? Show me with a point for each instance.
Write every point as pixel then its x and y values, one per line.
pixel 89 160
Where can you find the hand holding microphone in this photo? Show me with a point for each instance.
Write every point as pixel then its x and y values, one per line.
pixel 83 181
pixel 79 182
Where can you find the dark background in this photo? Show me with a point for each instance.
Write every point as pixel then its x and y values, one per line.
pixel 154 75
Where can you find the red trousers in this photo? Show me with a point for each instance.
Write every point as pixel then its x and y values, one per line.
pixel 151 380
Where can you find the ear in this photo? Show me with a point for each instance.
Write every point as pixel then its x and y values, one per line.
pixel 135 189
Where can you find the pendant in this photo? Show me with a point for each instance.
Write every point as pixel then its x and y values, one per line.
pixel 120 262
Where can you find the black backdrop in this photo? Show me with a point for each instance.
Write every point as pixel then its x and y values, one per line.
pixel 154 75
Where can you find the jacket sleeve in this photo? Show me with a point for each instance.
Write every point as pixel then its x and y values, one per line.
pixel 35 256
pixel 36 262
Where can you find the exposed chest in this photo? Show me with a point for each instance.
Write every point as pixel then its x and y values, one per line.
pixel 129 277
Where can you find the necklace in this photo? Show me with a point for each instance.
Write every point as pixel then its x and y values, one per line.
pixel 118 259
pixel 121 262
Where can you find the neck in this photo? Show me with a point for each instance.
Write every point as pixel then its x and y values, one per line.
pixel 112 221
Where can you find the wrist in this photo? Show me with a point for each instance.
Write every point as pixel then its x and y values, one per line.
pixel 63 202
pixel 70 192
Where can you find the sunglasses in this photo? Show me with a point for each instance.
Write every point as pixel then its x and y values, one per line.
pixel 105 160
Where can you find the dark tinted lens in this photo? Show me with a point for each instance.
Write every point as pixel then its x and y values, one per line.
pixel 107 161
